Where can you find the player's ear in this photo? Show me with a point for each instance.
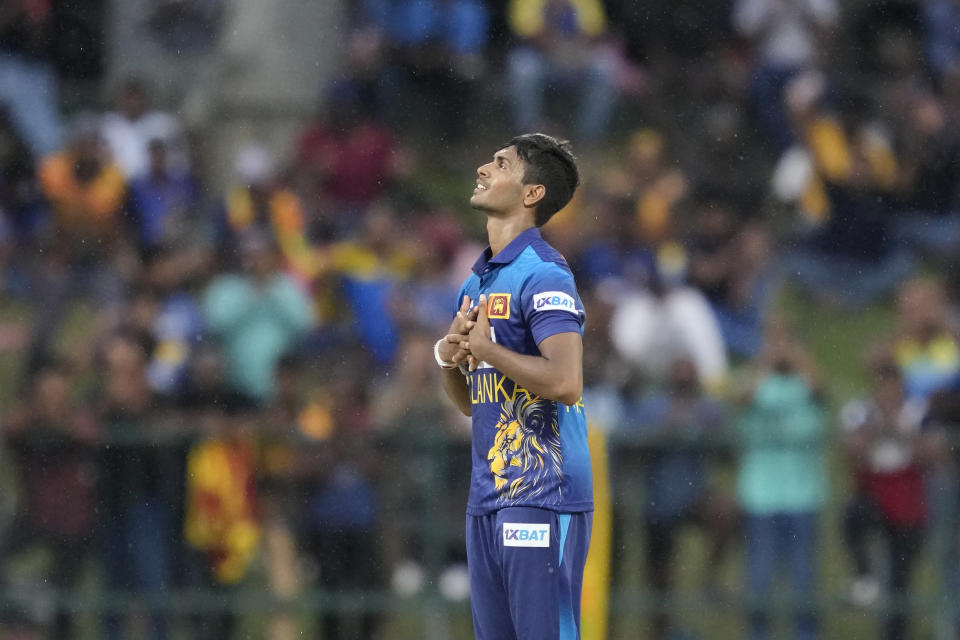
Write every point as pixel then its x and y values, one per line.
pixel 533 194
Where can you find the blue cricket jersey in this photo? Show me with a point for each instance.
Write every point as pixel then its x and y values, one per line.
pixel 527 451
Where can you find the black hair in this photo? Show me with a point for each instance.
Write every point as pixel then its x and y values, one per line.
pixel 550 162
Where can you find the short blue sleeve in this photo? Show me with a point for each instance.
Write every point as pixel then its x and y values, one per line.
pixel 462 292
pixel 550 304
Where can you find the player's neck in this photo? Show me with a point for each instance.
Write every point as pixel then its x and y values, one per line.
pixel 501 231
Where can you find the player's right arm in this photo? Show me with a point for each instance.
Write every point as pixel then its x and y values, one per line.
pixel 450 350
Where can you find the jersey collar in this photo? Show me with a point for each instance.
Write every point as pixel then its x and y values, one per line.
pixel 509 253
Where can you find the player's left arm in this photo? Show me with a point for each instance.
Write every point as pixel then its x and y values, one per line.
pixel 556 374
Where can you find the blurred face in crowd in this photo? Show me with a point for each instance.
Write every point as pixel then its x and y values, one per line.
pixel 259 258
pixel 133 101
pixel 87 148
pixel 889 387
pixel 206 369
pixel 499 183
pixel 921 306
pixel 782 349
pixel 51 392
pixel 929 117
pixel 645 154
pixel 379 228
pixel 124 355
pixel 683 376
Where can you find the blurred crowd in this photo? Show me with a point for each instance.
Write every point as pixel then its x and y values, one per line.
pixel 219 385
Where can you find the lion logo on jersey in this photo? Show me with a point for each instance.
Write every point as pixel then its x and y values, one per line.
pixel 526 448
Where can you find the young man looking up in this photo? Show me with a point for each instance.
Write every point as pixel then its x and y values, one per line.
pixel 517 337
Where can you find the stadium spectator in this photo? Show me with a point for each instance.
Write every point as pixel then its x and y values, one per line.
pixel 436 46
pixel 678 420
pixel 928 217
pixel 848 258
pixel 348 160
pixel 651 328
pixel 53 440
pixel 84 252
pixel 941 18
pixel 412 430
pixel 136 505
pixel 130 129
pixel 293 418
pixel 782 479
pixel 257 315
pixel 370 268
pixel 927 344
pixel 604 249
pixel 343 511
pixel 29 85
pixel 937 448
pixel 788 37
pixel 260 203
pixel 161 201
pixel 422 301
pixel 881 434
pixel 657 188
pixel 561 43
pixel 729 260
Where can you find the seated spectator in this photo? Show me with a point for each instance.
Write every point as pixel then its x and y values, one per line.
pixel 437 46
pixel 422 301
pixel 881 435
pixel 260 203
pixel 415 431
pixel 348 160
pixel 85 253
pixel 136 508
pixel 729 260
pixel 52 439
pixel 941 22
pixel 848 258
pixel 656 190
pixel 678 421
pixel 650 328
pixel 927 345
pixel 129 130
pixel 343 511
pixel 788 37
pixel 257 315
pixel 560 43
pixel 782 480
pixel 928 217
pixel 85 190
pixel 370 269
pixel 161 200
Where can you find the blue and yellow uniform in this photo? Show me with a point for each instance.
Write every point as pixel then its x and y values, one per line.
pixel 531 494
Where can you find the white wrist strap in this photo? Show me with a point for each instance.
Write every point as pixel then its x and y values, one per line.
pixel 440 361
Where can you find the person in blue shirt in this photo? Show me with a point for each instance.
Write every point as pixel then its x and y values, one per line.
pixel 512 360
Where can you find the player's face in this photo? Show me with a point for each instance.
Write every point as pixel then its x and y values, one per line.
pixel 499 182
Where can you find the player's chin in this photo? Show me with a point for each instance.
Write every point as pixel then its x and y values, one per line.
pixel 476 202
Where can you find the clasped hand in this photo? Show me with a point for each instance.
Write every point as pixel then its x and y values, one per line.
pixel 469 333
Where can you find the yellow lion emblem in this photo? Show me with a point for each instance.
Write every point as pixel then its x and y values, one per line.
pixel 526 448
